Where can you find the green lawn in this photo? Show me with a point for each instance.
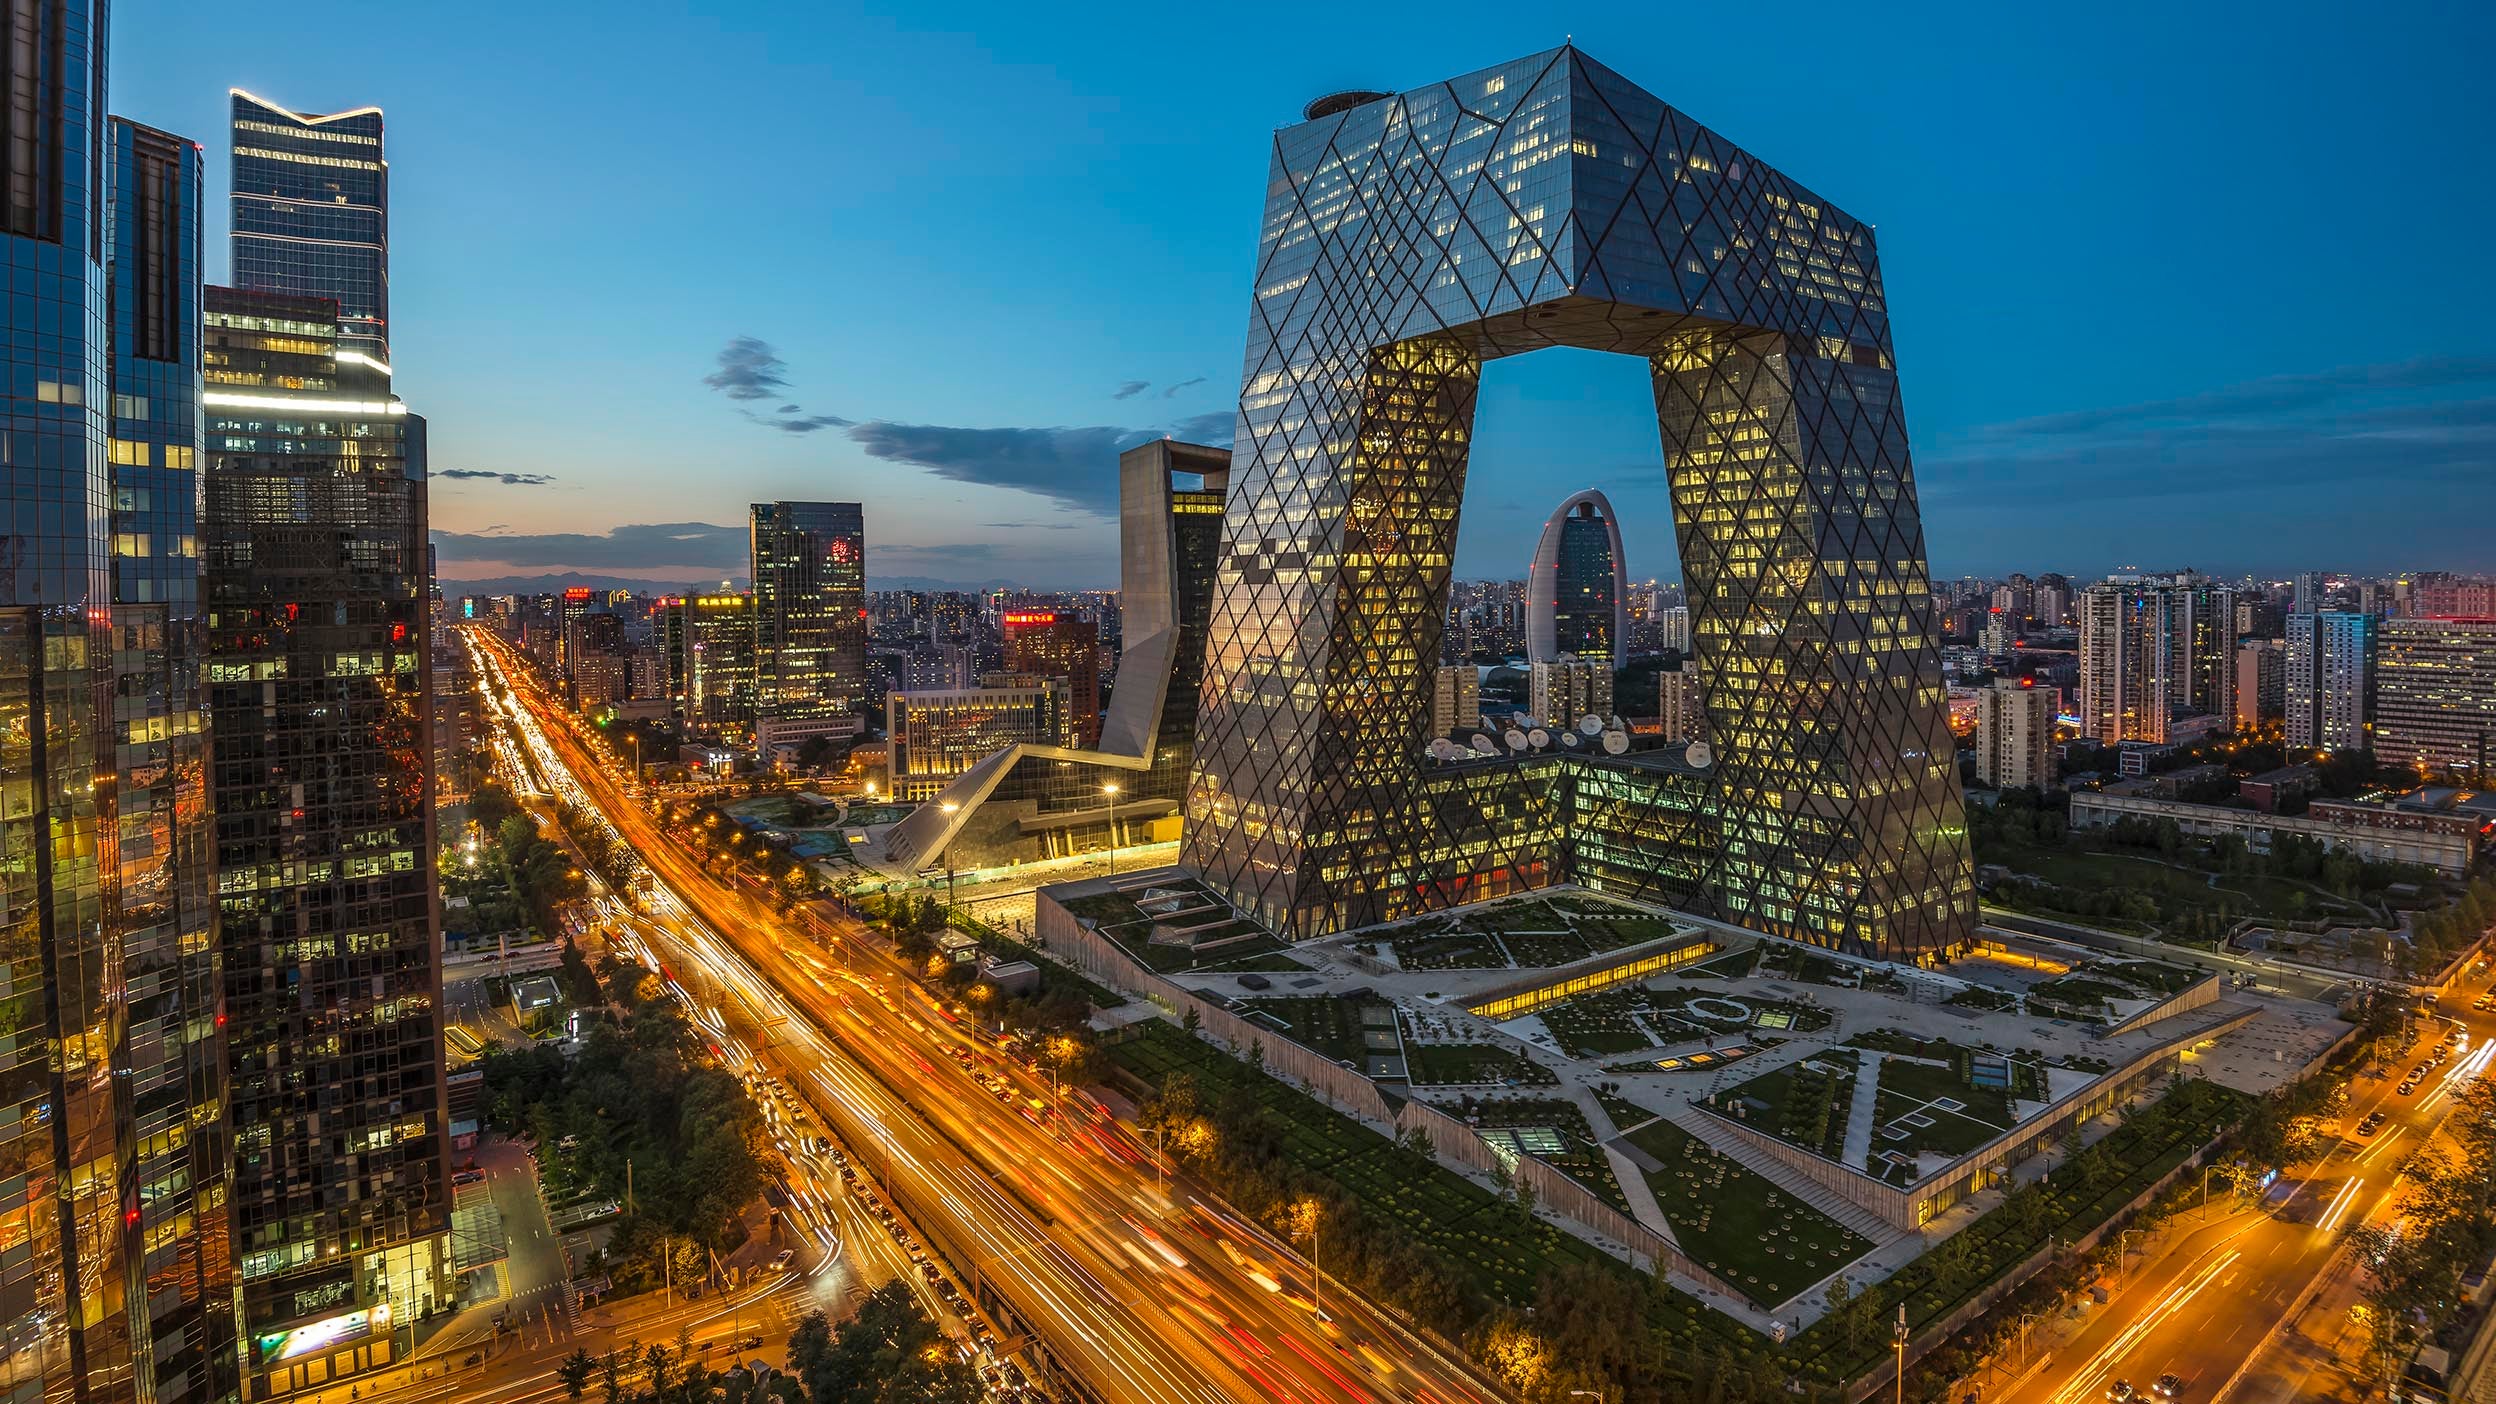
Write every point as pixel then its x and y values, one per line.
pixel 1909 1088
pixel 1739 1225
pixel 1471 1065
pixel 1582 1160
pixel 1117 916
pixel 1799 1103
pixel 1326 1024
pixel 1597 1025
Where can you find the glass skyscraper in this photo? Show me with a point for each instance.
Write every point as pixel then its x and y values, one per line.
pixel 1577 586
pixel 1551 202
pixel 171 968
pixel 810 621
pixel 311 213
pixel 110 1268
pixel 315 590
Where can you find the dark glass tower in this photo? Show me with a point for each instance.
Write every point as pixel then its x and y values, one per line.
pixel 810 620
pixel 1551 202
pixel 315 589
pixel 171 969
pixel 1577 587
pixel 311 213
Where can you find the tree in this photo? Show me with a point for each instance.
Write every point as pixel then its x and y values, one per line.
pixel 575 1371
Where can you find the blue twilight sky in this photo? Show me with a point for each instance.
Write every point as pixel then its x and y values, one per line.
pixel 2171 284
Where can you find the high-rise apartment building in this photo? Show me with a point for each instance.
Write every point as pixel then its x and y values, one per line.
pixel 313 533
pixel 2435 695
pixel 2015 735
pixel 1060 644
pixel 1778 405
pixel 2261 682
pixel 1577 585
pixel 1568 687
pixel 311 214
pixel 2329 675
pixel 171 969
pixel 2152 647
pixel 1680 707
pixel 810 621
pixel 1456 701
pixel 1673 630
pixel 114 1276
pixel 2051 604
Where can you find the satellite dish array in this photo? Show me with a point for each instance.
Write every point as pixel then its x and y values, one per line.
pixel 1524 733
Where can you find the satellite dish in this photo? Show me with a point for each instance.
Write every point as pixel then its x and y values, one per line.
pixel 1570 738
pixel 1515 739
pixel 1538 738
pixel 1615 742
pixel 1700 754
pixel 1590 726
pixel 1485 745
pixel 1443 749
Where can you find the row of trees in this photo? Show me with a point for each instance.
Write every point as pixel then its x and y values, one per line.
pixel 648 1114
pixel 890 1352
pixel 2414 1266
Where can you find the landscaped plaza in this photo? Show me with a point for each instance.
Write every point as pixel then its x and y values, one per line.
pixel 1782 1115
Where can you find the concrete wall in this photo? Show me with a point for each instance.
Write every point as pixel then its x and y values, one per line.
pixel 2202 992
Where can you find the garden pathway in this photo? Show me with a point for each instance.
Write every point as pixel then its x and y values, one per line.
pixel 1859 1116
pixel 1631 1177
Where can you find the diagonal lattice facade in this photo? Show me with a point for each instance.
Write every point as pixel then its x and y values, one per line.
pixel 1547 202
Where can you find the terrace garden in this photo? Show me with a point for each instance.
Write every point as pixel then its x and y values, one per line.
pixel 1806 1104
pixel 1176 926
pixel 1633 1020
pixel 2086 993
pixel 1346 1030
pixel 1471 1065
pixel 1531 933
pixel 1552 1130
pixel 1736 1223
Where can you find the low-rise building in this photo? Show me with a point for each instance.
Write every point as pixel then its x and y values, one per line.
pixel 2448 843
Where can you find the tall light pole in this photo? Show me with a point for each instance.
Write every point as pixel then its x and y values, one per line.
pixel 949 807
pixel 1305 1216
pixel 1111 790
pixel 1900 1338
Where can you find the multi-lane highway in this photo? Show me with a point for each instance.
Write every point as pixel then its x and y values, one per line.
pixel 1056 1222
pixel 2202 1304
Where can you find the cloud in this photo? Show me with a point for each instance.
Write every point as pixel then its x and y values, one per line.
pixel 748 370
pixel 487 475
pixel 1078 467
pixel 806 424
pixel 1182 385
pixel 651 546
pixel 1131 389
pixel 2393 427
pixel 1212 429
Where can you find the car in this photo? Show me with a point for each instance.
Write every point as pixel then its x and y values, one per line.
pixel 2120 1392
pixel 2168 1387
pixel 2368 1128
pixel 786 1257
pixel 2406 1088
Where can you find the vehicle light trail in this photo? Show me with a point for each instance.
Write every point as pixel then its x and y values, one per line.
pixel 2083 1385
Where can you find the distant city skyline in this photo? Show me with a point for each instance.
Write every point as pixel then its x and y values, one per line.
pixel 869 336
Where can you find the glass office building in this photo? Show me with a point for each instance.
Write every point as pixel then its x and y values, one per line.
pixel 311 213
pixel 810 621
pixel 171 970
pixel 1577 586
pixel 717 638
pixel 1551 202
pixel 316 596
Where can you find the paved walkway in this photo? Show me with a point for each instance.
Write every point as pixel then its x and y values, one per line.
pixel 1859 1113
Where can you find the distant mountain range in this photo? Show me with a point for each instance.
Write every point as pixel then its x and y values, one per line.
pixel 550 584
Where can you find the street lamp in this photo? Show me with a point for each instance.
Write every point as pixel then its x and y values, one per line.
pixel 1305 1216
pixel 1111 790
pixel 1900 1340
pixel 949 807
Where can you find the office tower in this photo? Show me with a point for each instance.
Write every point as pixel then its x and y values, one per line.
pixel 2150 648
pixel 2435 695
pixel 1680 709
pixel 2454 599
pixel 719 664
pixel 578 601
pixel 311 214
pixel 1059 644
pixel 667 627
pixel 2312 593
pixel 810 621
pixel 2329 675
pixel 1569 687
pixel 313 582
pixel 2015 735
pixel 1675 631
pixel 1456 701
pixel 936 736
pixel 2261 683
pixel 1801 545
pixel 2000 633
pixel 1577 586
pixel 171 970
pixel 1033 800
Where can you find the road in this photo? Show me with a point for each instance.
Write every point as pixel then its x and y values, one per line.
pixel 1129 1278
pixel 2205 1300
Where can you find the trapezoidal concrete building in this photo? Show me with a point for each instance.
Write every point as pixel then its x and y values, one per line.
pixel 1550 202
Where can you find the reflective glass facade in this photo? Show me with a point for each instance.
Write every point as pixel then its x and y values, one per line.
pixel 311 213
pixel 810 619
pixel 315 590
pixel 718 663
pixel 181 1261
pixel 1548 202
pixel 1577 586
